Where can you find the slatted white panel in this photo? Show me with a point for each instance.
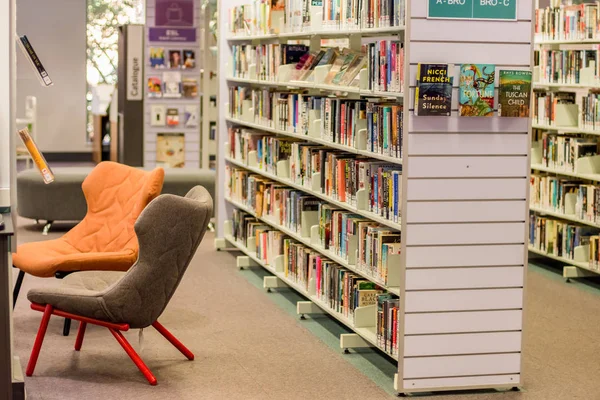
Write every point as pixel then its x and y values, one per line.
pixel 463 278
pixel 463 300
pixel 466 189
pixel 462 343
pixel 467 167
pixel 461 322
pixel 467 256
pixel 473 143
pixel 459 234
pixel 457 211
pixel 465 215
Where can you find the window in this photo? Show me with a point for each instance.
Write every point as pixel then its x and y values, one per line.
pixel 103 20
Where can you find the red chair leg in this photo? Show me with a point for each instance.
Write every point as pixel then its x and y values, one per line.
pixel 174 341
pixel 39 339
pixel 80 334
pixel 133 355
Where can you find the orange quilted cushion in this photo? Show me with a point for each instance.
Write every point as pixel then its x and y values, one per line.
pixel 105 240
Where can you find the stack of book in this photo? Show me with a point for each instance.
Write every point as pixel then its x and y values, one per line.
pixel 590 116
pixel 546 109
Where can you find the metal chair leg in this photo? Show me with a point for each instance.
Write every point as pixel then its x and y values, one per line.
pixel 80 334
pixel 47 228
pixel 134 356
pixel 67 327
pixel 17 287
pixel 39 339
pixel 174 341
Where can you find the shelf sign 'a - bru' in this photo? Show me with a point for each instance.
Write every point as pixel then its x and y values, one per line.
pixel 505 10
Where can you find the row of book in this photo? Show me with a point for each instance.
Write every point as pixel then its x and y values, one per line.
pixel 568 67
pixel 335 287
pixel 354 238
pixel 558 238
pixel 341 121
pixel 277 16
pixel 433 93
pixel 568 197
pixel 384 61
pixel 562 152
pixel 568 22
pixel 562 109
pixel 342 175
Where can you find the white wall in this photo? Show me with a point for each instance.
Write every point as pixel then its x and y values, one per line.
pixel 6 99
pixel 57 31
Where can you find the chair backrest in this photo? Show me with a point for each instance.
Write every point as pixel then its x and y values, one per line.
pixel 169 231
pixel 115 194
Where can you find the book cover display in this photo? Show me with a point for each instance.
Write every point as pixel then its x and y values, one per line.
pixel 172 98
pixel 476 90
pixel 433 95
pixel 170 150
pixel 514 97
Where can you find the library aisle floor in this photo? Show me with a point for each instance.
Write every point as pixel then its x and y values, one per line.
pixel 251 345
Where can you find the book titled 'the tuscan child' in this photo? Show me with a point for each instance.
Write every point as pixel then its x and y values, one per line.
pixel 476 90
pixel 514 96
pixel 433 95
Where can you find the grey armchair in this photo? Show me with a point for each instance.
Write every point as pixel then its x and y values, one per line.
pixel 169 231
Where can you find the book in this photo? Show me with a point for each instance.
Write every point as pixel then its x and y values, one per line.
pixel 514 94
pixel 189 59
pixel 170 150
pixel 157 57
pixel 34 60
pixel 190 116
pixel 476 90
pixel 175 59
pixel 172 84
pixel 172 117
pixel 154 87
pixel 158 115
pixel 433 93
pixel 190 87
pixel 36 155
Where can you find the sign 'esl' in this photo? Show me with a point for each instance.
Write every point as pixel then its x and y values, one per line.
pixel 505 10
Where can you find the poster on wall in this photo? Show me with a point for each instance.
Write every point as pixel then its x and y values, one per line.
pixel 174 13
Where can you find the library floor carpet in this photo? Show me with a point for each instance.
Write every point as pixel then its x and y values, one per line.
pixel 251 345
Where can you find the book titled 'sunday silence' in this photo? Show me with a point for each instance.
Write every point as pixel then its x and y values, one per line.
pixel 433 95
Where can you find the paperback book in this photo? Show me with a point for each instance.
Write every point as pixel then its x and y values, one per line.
pixel 172 117
pixel 170 150
pixel 172 84
pixel 157 57
pixel 189 59
pixel 154 87
pixel 476 90
pixel 514 97
pixel 433 95
pixel 158 115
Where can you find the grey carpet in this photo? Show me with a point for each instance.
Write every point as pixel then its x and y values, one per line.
pixel 248 346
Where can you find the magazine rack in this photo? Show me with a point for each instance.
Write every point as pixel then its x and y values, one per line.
pixel 461 273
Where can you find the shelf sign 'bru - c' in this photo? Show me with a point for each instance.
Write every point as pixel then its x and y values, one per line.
pixel 505 10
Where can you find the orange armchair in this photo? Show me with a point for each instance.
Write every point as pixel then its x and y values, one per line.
pixel 105 239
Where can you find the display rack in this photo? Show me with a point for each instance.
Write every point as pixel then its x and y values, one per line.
pixel 180 37
pixel 460 277
pixel 587 169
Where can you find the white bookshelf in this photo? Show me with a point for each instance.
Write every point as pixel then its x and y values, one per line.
pixel 464 222
pixel 580 267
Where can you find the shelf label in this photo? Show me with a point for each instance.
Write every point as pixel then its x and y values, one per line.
pixel 505 10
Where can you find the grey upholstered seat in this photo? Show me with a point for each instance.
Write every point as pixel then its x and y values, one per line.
pixel 169 231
